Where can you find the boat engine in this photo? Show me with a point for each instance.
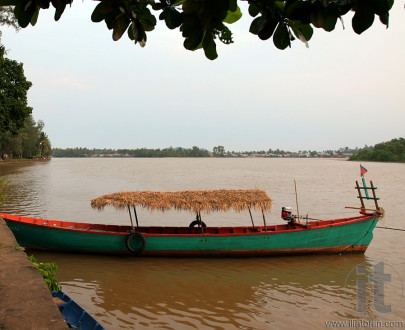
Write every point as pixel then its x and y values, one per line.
pixel 286 214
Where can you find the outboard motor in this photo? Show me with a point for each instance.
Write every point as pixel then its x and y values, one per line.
pixel 286 214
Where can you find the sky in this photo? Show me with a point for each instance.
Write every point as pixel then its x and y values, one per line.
pixel 345 90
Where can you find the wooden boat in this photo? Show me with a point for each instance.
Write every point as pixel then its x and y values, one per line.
pixel 296 236
pixel 74 315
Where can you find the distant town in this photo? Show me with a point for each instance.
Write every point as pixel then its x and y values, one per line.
pixel 390 151
pixel 218 151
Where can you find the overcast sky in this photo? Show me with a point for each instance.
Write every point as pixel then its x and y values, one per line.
pixel 344 90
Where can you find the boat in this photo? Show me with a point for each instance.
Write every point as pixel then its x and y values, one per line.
pixel 297 235
pixel 74 315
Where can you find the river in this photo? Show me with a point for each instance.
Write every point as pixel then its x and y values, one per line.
pixel 252 293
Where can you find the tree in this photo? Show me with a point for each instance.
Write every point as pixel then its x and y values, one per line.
pixel 44 146
pixel 30 141
pixel 219 151
pixel 203 22
pixel 7 18
pixel 391 151
pixel 13 94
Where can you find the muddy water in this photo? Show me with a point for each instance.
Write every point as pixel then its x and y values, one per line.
pixel 285 292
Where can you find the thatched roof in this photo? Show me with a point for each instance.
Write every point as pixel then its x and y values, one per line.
pixel 196 201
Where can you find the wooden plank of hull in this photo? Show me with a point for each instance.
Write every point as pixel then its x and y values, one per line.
pixel 351 236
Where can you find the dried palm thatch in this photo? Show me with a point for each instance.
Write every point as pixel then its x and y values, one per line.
pixel 205 201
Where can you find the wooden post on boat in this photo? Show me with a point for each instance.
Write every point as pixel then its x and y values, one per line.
pixel 251 218
pixel 264 221
pixel 200 222
pixel 136 217
pixel 296 201
pixel 360 195
pixel 374 195
pixel 130 217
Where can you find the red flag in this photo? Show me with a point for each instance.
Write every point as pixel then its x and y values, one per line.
pixel 362 170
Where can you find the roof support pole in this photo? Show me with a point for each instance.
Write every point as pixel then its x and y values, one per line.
pixel 296 201
pixel 251 218
pixel 130 217
pixel 136 217
pixel 200 222
pixel 264 221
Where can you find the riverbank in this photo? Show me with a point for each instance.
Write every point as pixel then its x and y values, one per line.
pixel 23 160
pixel 25 301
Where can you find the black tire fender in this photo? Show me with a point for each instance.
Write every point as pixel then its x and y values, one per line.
pixel 195 223
pixel 137 236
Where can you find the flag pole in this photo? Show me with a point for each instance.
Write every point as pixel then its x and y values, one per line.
pixel 362 172
pixel 296 201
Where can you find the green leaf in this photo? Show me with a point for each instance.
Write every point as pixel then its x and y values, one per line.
pixel 330 23
pixel 194 40
pixel 131 31
pixel 233 5
pixel 254 10
pixel 164 14
pixel 120 26
pixel 318 15
pixel 298 10
pixel 60 8
pixel 101 11
pixel 233 16
pixel 281 38
pixel 364 16
pixel 145 17
pixel 324 18
pixel 256 25
pixel 210 48
pixel 24 12
pixel 268 29
pixel 302 31
pixel 34 18
pixel 381 8
pixel 385 19
pixel 173 18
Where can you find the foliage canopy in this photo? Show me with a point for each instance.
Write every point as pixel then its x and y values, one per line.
pixel 143 152
pixel 202 22
pixel 29 142
pixel 391 151
pixel 13 94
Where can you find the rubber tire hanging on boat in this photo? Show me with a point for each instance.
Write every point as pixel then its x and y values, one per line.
pixel 195 222
pixel 137 236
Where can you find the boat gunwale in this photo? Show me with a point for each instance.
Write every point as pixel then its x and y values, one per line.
pixel 268 230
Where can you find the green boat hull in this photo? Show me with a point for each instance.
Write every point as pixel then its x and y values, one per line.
pixel 331 236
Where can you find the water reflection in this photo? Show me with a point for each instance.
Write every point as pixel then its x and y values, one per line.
pixel 197 293
pixel 28 182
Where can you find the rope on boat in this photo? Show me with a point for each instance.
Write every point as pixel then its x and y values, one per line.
pixel 390 228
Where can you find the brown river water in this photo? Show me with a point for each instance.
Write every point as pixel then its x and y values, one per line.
pixel 239 293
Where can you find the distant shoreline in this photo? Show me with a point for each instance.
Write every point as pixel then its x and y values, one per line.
pixel 25 160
